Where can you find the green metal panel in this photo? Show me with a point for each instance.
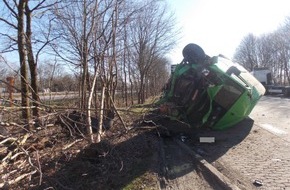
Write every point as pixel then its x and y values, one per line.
pixel 235 114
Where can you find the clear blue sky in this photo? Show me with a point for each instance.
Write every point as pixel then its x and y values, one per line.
pixel 218 26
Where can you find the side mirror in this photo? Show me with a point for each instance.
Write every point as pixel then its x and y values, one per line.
pixel 250 92
pixel 233 70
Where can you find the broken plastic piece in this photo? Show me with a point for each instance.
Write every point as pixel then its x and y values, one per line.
pixel 258 183
pixel 183 138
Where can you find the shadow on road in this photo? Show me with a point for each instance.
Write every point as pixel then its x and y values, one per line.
pixel 224 140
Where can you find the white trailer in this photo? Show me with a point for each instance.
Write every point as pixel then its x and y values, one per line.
pixel 265 77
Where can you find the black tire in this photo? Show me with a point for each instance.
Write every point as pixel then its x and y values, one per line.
pixel 286 91
pixel 193 54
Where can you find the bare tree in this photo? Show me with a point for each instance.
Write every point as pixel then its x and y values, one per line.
pixel 18 17
pixel 246 53
pixel 17 11
pixel 285 33
pixel 152 34
pixel 282 55
pixel 157 77
pixel 3 70
pixel 265 50
pixel 86 30
pixel 270 50
pixel 77 23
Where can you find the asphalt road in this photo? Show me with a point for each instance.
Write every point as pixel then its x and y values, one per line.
pixel 273 114
pixel 256 149
pixel 45 96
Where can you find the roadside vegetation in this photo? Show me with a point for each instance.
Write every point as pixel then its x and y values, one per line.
pixel 110 52
pixel 112 55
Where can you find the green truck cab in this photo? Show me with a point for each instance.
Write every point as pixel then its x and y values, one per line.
pixel 208 91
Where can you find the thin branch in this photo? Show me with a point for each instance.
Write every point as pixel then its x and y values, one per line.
pixel 42 47
pixel 10 8
pixel 119 116
pixel 16 180
pixel 9 23
pixel 39 7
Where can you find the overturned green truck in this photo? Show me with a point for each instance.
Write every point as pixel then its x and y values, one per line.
pixel 208 91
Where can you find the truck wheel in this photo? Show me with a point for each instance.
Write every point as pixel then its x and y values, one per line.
pixel 286 91
pixel 193 54
pixel 266 92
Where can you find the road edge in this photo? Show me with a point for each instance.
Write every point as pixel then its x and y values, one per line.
pixel 224 181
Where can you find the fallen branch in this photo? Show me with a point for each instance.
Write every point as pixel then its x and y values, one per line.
pixel 71 144
pixel 8 156
pixel 1 136
pixel 22 142
pixel 72 129
pixel 16 155
pixel 32 165
pixel 21 164
pixel 8 139
pixel 117 112
pixel 68 127
pixel 28 158
pixel 18 142
pixel 39 168
pixel 5 176
pixel 16 180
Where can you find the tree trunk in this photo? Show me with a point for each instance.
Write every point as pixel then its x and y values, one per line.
pixel 89 121
pixel 286 72
pixel 23 64
pixel 141 93
pixel 32 64
pixel 131 83
pixel 124 67
pixel 84 59
pixel 100 129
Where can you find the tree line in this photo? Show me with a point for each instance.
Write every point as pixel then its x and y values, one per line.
pixel 270 50
pixel 105 44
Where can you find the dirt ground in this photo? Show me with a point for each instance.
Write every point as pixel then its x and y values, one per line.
pixel 53 157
